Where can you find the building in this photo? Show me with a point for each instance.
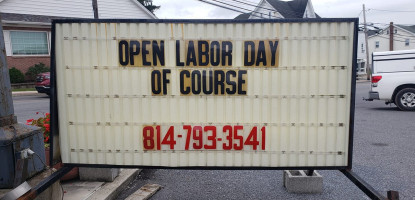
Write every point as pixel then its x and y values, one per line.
pixel 27 24
pixel 277 9
pixel 401 38
pixel 361 51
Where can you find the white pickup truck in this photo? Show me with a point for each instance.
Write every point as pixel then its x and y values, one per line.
pixel 393 78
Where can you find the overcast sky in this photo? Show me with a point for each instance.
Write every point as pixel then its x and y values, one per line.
pixel 194 9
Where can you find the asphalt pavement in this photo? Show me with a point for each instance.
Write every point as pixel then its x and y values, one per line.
pixel 383 156
pixel 27 105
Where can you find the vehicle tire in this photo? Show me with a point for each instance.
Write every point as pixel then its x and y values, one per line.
pixel 405 99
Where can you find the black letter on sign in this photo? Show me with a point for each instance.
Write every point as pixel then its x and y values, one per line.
pixel 273 51
pixel 158 52
pixel 241 81
pixel 205 82
pixel 230 82
pixel 219 81
pixel 145 52
pixel 165 80
pixel 191 54
pixel 182 75
pixel 203 52
pixel 249 45
pixel 178 62
pixel 123 45
pixel 156 82
pixel 196 86
pixel 261 57
pixel 134 50
pixel 214 57
pixel 226 53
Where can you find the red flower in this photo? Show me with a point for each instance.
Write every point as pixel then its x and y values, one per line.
pixel 46 139
pixel 43 123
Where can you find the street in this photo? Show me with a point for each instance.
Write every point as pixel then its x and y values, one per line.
pixel 25 107
pixel 383 156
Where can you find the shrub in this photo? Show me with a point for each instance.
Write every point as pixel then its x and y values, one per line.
pixel 35 70
pixel 44 123
pixel 16 76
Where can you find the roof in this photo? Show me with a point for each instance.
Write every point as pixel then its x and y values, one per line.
pixel 243 16
pixel 408 28
pixel 27 18
pixel 289 9
pixel 372 32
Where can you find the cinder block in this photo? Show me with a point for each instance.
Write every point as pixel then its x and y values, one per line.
pixel 297 181
pixel 98 174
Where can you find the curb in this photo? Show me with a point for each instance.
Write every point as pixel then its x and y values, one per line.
pixel 110 190
pixel 27 93
pixel 362 81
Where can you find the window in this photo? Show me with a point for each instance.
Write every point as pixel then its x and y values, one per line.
pixel 406 42
pixel 29 43
pixel 377 44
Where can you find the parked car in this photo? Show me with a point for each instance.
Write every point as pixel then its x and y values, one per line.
pixel 42 84
pixel 393 78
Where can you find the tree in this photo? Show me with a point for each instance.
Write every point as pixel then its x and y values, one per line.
pixel 149 5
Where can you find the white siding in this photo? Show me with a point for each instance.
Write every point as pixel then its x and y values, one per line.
pixel 121 9
pixel 76 8
pixel 265 8
pixel 62 8
pixel 361 46
pixel 309 11
pixel 400 36
pixel 398 43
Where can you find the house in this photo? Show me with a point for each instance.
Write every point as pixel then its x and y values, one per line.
pixel 402 38
pixel 277 9
pixel 361 50
pixel 27 24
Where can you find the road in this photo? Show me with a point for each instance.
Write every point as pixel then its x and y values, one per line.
pixel 383 156
pixel 25 107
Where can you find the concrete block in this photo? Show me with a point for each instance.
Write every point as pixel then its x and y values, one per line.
pixel 297 181
pixel 98 174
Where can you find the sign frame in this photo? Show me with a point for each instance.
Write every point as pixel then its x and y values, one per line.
pixel 55 149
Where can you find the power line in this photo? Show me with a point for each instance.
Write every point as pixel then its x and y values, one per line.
pixel 256 6
pixel 232 5
pixel 391 10
pixel 225 7
pixel 393 39
pixel 404 35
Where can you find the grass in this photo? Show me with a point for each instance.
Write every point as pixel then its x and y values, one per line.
pixel 23 89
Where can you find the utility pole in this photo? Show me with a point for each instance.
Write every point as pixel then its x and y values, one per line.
pixel 391 36
pixel 368 70
pixel 95 8
pixel 6 102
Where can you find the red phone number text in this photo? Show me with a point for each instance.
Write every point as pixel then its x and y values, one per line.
pixel 231 139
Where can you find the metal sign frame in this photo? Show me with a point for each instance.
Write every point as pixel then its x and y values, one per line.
pixel 346 170
pixel 54 100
